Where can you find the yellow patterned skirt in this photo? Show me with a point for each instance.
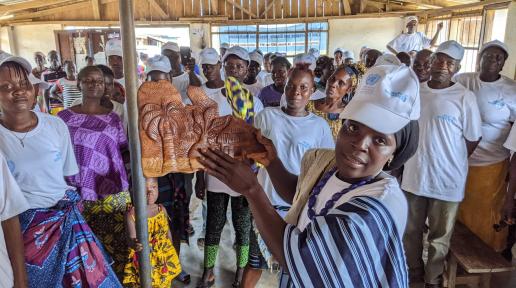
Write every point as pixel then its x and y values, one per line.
pixel 163 256
pixel 483 201
pixel 106 218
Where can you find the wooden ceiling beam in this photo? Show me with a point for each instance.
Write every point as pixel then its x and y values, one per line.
pixel 346 7
pixel 246 11
pixel 269 7
pixel 51 11
pixel 28 5
pixel 161 13
pixel 95 5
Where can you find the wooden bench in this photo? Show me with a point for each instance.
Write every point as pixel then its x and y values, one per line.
pixel 477 259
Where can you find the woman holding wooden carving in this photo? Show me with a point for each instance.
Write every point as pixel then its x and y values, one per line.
pixel 346 213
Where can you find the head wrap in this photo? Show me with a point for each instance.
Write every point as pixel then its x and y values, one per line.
pixel 407 140
pixel 240 99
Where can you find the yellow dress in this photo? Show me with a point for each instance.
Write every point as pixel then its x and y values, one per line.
pixel 335 123
pixel 164 260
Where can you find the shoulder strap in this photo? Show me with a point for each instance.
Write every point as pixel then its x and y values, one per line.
pixel 314 164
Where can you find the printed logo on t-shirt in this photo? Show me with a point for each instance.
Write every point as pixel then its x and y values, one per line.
pixel 498 103
pixel 372 79
pixel 446 118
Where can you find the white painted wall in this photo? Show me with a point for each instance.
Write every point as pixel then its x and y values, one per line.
pixel 510 39
pixel 32 38
pixel 352 34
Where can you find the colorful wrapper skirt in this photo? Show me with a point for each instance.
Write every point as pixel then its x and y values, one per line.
pixel 61 250
pixel 483 201
pixel 106 219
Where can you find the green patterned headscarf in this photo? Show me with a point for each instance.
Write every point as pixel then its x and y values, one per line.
pixel 240 99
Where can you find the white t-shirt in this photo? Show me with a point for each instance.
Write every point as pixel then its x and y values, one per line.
pixel 12 203
pixel 265 78
pixel 387 191
pixel 407 42
pixel 497 103
pixel 213 184
pixel 315 96
pixel 292 137
pixel 41 165
pixel 118 108
pixel 181 83
pixel 510 143
pixel 439 168
pixel 254 88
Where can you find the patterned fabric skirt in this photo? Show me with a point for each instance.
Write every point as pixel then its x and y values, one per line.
pixel 106 219
pixel 61 250
pixel 483 201
pixel 175 190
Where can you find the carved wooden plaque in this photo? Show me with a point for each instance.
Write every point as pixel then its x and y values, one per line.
pixel 171 133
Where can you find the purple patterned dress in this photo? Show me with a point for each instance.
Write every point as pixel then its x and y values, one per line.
pixel 98 142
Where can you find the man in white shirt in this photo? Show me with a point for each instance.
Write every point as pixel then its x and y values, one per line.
pixel 435 177
pixel 412 40
pixel 180 79
pixel 496 97
pixel 114 54
pixel 12 203
pixel 251 81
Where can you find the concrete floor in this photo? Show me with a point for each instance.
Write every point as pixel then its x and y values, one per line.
pixel 192 257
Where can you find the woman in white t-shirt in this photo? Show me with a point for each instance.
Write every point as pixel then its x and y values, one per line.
pixel 412 40
pixel 482 206
pixel 40 155
pixel 12 203
pixel 346 213
pixel 293 130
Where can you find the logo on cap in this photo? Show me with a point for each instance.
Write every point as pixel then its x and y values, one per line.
pixel 373 79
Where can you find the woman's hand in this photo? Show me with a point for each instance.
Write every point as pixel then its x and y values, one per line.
pixel 237 175
pixel 271 153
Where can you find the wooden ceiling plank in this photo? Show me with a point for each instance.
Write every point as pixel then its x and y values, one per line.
pixel 347 7
pixel 29 5
pixel 95 4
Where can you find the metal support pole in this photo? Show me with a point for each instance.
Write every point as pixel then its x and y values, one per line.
pixel 131 87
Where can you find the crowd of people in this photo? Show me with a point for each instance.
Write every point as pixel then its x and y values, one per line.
pixel 363 158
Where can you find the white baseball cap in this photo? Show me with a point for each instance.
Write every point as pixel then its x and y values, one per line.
pixel 114 48
pixel 172 46
pixel 224 46
pixel 237 51
pixel 159 63
pixel 348 54
pixel 209 56
pixel 451 48
pixel 305 58
pixel 386 100
pixel 410 19
pixel 257 57
pixel 6 57
pixel 494 43
pixel 387 59
pixel 314 52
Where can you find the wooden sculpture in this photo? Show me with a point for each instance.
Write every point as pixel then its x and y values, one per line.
pixel 171 133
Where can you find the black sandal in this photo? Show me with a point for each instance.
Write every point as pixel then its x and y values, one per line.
pixel 184 278
pixel 238 278
pixel 205 283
